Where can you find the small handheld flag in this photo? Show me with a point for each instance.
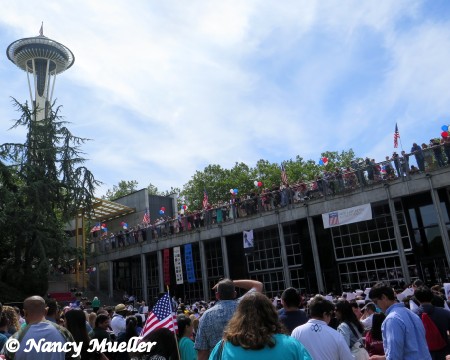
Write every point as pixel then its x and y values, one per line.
pixel 161 316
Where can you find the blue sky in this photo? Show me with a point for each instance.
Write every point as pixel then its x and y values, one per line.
pixel 164 88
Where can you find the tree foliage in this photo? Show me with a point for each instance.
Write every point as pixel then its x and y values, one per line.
pixel 43 183
pixel 218 181
pixel 123 188
pixel 127 187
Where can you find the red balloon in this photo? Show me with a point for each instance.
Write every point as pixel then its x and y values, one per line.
pixel 163 208
pixel 259 183
pixel 104 225
pixel 444 134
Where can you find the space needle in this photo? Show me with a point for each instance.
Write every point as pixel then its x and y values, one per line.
pixel 42 58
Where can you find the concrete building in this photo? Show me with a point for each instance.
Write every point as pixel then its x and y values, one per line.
pixel 406 238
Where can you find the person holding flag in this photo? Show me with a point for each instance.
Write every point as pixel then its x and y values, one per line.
pixel 161 327
pixel 161 316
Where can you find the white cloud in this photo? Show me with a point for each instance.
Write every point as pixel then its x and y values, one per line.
pixel 165 88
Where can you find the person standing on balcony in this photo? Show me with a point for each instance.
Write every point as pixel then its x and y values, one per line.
pixel 418 154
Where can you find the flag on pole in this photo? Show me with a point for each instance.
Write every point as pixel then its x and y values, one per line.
pixel 205 199
pixel 396 136
pixel 161 316
pixel 284 179
pixel 96 228
pixel 146 218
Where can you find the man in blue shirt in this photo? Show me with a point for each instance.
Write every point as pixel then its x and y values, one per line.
pixel 403 331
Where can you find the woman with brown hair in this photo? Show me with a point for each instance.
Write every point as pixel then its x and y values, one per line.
pixel 255 332
pixel 13 319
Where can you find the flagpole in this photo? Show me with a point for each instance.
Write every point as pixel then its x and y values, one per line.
pixel 401 145
pixel 173 325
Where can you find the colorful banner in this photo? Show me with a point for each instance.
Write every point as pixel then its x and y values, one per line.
pixel 166 266
pixel 189 262
pixel 347 216
pixel 178 265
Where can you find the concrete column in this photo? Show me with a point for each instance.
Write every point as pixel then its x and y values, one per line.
pixel 398 237
pixel 441 220
pixel 286 273
pixel 204 270
pixel 144 277
pixel 110 279
pixel 226 268
pixel 315 251
pixel 161 271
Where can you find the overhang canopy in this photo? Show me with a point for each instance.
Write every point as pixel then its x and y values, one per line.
pixel 105 210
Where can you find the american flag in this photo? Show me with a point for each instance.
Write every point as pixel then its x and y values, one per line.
pixel 396 136
pixel 96 228
pixel 146 218
pixel 284 179
pixel 333 218
pixel 205 199
pixel 161 316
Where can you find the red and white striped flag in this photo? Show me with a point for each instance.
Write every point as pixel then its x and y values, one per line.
pixel 396 136
pixel 161 316
pixel 146 219
pixel 96 228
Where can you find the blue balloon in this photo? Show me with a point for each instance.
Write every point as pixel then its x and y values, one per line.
pixel 235 191
pixel 320 162
pixel 161 212
pixel 444 127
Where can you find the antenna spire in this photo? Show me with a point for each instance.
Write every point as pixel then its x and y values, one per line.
pixel 41 31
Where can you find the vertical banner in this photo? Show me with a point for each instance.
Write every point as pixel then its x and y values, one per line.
pixel 189 262
pixel 248 241
pixel 166 266
pixel 178 266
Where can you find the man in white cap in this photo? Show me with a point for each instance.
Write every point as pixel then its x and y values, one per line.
pixel 118 322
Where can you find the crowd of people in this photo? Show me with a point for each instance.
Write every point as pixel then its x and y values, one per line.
pixel 376 324
pixel 330 183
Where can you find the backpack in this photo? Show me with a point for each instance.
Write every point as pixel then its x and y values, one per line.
pixel 432 334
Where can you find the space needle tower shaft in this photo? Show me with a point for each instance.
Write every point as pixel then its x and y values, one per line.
pixel 42 59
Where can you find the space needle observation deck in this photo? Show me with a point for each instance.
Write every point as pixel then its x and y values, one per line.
pixel 43 58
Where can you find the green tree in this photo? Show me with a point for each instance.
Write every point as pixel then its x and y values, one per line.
pixel 123 188
pixel 43 184
pixel 153 190
pixel 218 181
pixel 268 173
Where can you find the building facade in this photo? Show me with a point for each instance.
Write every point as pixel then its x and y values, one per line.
pixel 406 238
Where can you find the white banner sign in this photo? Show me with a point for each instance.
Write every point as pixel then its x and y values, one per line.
pixel 178 266
pixel 347 216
